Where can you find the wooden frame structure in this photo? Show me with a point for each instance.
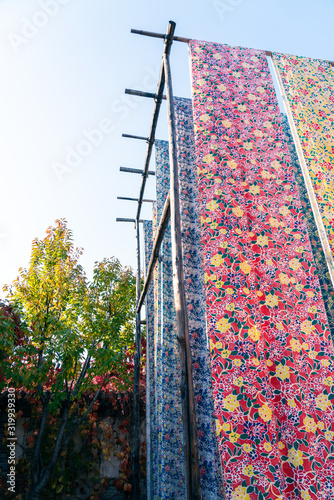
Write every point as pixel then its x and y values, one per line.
pixel 171 213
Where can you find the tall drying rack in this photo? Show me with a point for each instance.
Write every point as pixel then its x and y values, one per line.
pixel 171 212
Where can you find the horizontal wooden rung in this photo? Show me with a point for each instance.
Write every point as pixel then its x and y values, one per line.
pixel 130 136
pixel 125 219
pixel 160 35
pixel 269 53
pixel 140 93
pixel 135 171
pixel 133 199
pixel 187 40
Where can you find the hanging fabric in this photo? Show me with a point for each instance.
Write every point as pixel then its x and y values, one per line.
pixel 326 285
pixel 169 469
pixel 150 374
pixel 269 336
pixel 168 481
pixel 210 473
pixel 309 88
pixel 153 487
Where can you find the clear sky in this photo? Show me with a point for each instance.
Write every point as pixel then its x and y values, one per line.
pixel 64 67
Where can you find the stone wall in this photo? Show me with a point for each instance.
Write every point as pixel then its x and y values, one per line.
pixel 109 467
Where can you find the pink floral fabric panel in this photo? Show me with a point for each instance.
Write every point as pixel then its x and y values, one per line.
pixel 271 357
pixel 309 87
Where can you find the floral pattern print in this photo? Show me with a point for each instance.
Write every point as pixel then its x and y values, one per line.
pixel 309 87
pixel 167 463
pixel 210 474
pixel 327 289
pixel 150 379
pixel 272 359
pixel 152 487
pixel 168 469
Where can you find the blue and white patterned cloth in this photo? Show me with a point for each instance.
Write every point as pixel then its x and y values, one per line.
pixel 165 430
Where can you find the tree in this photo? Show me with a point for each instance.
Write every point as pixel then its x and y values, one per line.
pixel 76 335
pixel 12 333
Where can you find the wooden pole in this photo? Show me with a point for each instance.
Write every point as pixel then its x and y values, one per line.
pixel 154 123
pixel 192 479
pixel 136 388
pixel 157 106
pixel 136 391
pixel 155 250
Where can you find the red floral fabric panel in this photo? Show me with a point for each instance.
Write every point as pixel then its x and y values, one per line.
pixel 272 361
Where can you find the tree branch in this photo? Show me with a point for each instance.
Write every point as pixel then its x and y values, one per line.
pixel 79 422
pixel 37 450
pixel 81 376
pixel 75 369
pixel 48 470
pixel 83 372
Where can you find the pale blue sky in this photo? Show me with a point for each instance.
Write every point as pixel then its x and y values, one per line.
pixel 64 67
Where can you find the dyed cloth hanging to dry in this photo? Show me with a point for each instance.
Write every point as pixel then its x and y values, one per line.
pixel 210 474
pixel 309 87
pixel 327 289
pixel 153 487
pixel 272 360
pixel 168 469
pixel 168 462
pixel 150 372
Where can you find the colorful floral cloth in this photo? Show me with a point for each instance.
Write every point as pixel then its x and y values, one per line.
pixel 210 473
pixel 168 469
pixel 272 360
pixel 327 289
pixel 167 479
pixel 153 486
pixel 150 379
pixel 309 87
